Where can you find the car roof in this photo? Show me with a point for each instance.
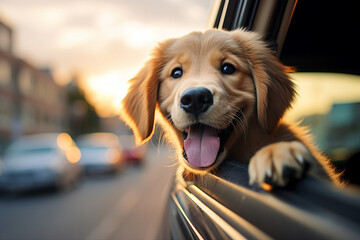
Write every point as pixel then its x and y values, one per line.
pixel 34 141
pixel 99 137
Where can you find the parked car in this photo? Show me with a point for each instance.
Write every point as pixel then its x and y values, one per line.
pixel 40 161
pixel 100 153
pixel 222 205
pixel 132 153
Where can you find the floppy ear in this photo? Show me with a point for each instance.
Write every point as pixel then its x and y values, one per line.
pixel 274 89
pixel 138 106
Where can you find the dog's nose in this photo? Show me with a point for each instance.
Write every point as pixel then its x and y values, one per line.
pixel 196 100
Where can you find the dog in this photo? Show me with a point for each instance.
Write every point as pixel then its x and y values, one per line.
pixel 222 94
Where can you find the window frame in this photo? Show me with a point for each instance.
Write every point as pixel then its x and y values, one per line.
pixel 224 205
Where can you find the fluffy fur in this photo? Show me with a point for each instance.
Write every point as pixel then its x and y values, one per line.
pixel 252 100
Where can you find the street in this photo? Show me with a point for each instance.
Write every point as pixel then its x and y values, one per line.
pixel 129 205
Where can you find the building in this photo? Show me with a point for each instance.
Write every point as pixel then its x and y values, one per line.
pixel 7 83
pixel 30 100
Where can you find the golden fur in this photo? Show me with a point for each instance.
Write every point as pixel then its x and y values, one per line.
pixel 260 89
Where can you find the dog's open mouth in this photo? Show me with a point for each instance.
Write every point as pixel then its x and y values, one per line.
pixel 203 144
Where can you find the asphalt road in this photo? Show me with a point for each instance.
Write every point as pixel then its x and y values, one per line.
pixel 129 205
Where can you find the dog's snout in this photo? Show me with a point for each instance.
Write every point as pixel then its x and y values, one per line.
pixel 196 100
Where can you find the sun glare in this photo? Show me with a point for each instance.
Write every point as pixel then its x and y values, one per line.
pixel 106 91
pixel 317 92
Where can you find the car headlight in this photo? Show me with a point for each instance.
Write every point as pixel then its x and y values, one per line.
pixel 73 154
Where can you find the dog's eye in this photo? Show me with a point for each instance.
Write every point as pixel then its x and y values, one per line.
pixel 176 73
pixel 228 68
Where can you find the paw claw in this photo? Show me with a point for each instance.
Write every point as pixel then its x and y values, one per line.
pixel 279 164
pixel 299 158
pixel 268 176
pixel 268 172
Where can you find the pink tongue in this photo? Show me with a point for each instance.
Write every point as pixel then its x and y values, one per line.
pixel 202 146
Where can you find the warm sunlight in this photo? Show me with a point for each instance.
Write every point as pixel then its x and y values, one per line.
pixel 317 92
pixel 106 91
pixel 105 41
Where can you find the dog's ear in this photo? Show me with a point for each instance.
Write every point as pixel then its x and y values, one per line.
pixel 139 105
pixel 274 89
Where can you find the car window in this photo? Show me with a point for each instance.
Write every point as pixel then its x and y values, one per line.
pixel 92 147
pixel 329 103
pixel 25 150
pixel 324 52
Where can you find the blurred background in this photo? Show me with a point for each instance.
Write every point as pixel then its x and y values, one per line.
pixel 69 168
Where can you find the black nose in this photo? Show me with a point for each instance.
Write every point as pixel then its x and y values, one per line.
pixel 196 100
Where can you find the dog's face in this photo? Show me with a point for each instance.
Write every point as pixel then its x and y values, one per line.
pixel 205 90
pixel 207 86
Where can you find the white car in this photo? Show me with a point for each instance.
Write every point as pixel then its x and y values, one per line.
pixel 100 153
pixel 40 161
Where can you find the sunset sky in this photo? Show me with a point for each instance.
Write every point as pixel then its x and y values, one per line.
pixel 105 41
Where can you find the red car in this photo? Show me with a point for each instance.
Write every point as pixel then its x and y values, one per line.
pixel 132 153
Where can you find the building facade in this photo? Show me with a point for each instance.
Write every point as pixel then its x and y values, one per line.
pixel 30 100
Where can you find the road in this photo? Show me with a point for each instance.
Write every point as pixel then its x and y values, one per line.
pixel 129 205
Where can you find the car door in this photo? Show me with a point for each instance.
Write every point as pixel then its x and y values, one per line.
pixel 223 205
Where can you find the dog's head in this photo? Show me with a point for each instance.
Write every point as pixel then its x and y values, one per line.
pixel 206 87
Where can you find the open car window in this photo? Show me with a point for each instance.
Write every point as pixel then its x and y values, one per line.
pixel 324 52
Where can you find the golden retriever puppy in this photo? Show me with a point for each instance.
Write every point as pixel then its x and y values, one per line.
pixel 223 94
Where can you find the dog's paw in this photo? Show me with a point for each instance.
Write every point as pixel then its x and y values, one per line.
pixel 278 163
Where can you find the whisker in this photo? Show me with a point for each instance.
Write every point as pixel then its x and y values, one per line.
pixel 173 165
pixel 238 121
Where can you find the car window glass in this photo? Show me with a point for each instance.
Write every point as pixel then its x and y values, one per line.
pixel 324 51
pixel 30 150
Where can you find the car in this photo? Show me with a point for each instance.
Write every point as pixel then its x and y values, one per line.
pixel 38 161
pixel 101 153
pixel 132 154
pixel 222 204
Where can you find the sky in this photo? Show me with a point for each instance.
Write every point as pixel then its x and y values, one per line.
pixel 105 41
